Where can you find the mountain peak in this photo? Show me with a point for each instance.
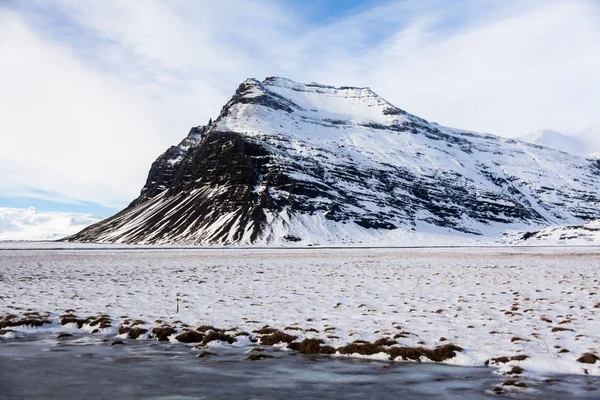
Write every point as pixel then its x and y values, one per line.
pixel 288 162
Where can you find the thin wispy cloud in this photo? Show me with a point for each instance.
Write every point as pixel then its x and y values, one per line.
pixel 93 91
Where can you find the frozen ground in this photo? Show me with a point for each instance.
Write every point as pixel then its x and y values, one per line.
pixel 492 302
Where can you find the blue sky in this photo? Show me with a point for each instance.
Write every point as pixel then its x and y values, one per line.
pixel 94 91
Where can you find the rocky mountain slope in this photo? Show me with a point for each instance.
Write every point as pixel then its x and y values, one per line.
pixel 286 162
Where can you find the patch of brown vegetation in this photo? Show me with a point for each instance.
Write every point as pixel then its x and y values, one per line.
pixel 205 328
pixel 31 319
pixel 266 330
pixel 277 337
pixel 72 319
pixel 366 349
pixel 101 322
pixel 205 354
pixel 311 346
pixel 258 356
pixel 385 342
pixel 516 370
pixel 513 382
pixel 440 353
pixel 561 329
pixel 163 333
pixel 135 333
pixel 504 359
pixel 212 336
pixel 518 339
pixel 588 358
pixel 190 337
pixel 293 328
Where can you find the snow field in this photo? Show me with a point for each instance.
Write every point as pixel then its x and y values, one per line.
pixel 501 302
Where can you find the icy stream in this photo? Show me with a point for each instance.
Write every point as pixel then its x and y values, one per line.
pixel 91 367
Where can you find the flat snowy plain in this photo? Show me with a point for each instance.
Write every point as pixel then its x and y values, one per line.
pixel 542 303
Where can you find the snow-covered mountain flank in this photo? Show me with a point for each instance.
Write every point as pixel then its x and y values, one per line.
pixel 287 162
pixel 586 234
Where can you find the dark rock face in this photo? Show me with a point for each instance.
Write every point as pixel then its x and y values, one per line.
pixel 230 182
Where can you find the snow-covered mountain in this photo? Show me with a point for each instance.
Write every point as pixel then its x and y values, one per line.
pixel 29 224
pixel 586 234
pixel 585 143
pixel 591 138
pixel 287 162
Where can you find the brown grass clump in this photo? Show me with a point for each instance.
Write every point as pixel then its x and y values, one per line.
pixel 277 337
pixel 135 333
pixel 190 337
pixel 385 342
pixel 265 330
pixel 101 322
pixel 366 349
pixel 293 328
pixel 440 353
pixel 588 358
pixel 512 382
pixel 72 319
pixel 204 328
pixel 163 333
pixel 516 370
pixel 504 359
pixel 520 357
pixel 311 346
pixel 212 336
pixel 205 354
pixel 258 356
pixel 32 319
pixel 561 329
pixel 518 339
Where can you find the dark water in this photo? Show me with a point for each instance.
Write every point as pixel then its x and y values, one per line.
pixel 90 368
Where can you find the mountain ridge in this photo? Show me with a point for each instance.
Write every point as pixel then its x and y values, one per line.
pixel 286 162
pixel 585 143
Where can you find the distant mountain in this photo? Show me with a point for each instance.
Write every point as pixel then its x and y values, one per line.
pixel 29 224
pixel 587 234
pixel 591 138
pixel 293 163
pixel 585 143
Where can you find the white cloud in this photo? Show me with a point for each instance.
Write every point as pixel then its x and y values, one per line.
pixel 91 92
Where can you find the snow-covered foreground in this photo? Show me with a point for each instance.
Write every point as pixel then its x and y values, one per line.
pixel 30 224
pixel 494 302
